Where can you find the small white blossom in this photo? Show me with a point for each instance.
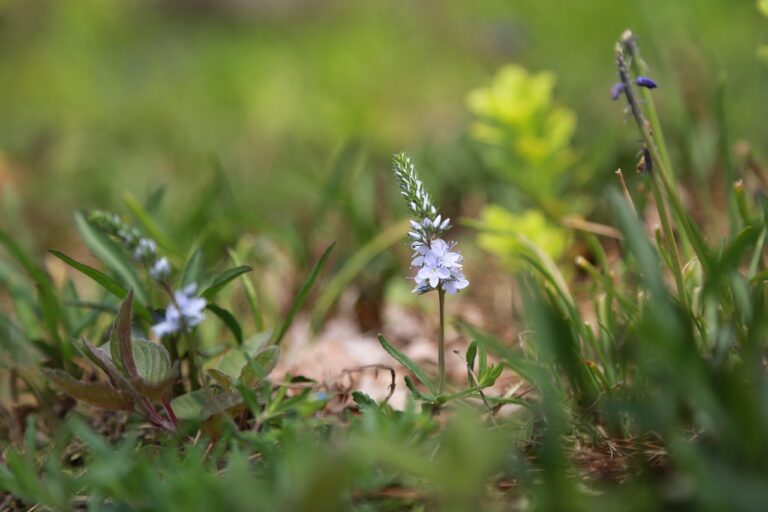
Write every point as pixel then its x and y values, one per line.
pixel 185 312
pixel 161 269
pixel 145 249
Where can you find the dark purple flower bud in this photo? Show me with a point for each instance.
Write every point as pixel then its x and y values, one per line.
pixel 616 90
pixel 644 81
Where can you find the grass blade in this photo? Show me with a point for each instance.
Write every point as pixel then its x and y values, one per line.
pixel 354 266
pixel 223 280
pixel 193 270
pixel 298 301
pixel 101 278
pixel 149 224
pixel 250 293
pixel 229 320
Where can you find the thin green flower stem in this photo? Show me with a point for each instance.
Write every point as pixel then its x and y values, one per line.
pixel 197 373
pixel 441 343
pixel 194 383
pixel 669 239
pixel 656 130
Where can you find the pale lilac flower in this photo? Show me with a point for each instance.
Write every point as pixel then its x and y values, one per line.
pixel 438 266
pixel 432 274
pixel 419 252
pixel 183 314
pixel 456 283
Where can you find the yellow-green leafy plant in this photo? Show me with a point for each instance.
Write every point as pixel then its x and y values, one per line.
pixel 506 234
pixel 524 138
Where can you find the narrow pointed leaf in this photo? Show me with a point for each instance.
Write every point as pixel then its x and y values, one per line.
pixel 489 377
pixel 471 355
pixel 223 279
pixel 408 363
pixel 101 278
pixel 250 293
pixel 193 270
pixel 416 392
pixel 229 320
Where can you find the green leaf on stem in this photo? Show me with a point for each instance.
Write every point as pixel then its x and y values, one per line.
pixel 416 392
pixel 408 363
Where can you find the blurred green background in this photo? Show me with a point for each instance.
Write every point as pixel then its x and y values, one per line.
pixel 102 96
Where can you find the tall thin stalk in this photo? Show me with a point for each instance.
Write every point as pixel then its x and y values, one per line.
pixel 650 130
pixel 441 342
pixel 661 182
